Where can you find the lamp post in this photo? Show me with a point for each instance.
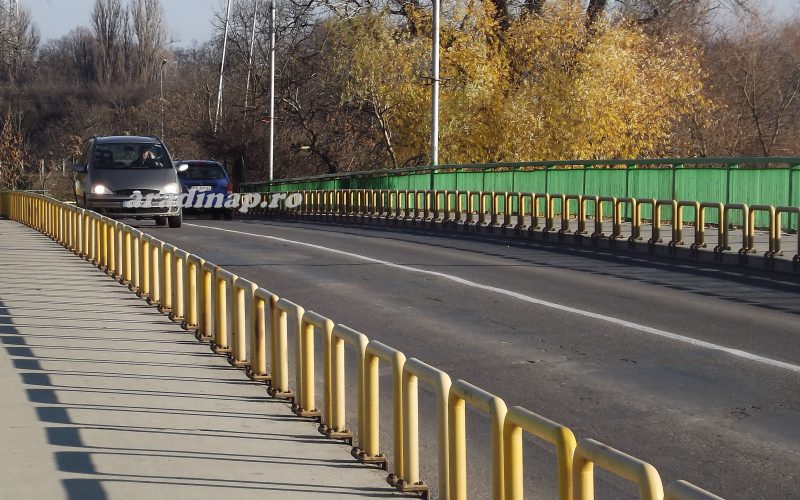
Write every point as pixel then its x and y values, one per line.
pixel 161 78
pixel 435 86
pixel 250 57
pixel 271 87
pixel 222 65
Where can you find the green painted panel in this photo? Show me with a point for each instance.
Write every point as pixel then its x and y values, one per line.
pixel 445 181
pixel 419 181
pixel 655 183
pixel 759 187
pixel 397 182
pixel 469 181
pixel 499 181
pixel 564 181
pixel 567 181
pixel 530 181
pixel 703 185
pixel 365 182
pixel 606 182
pixel 792 222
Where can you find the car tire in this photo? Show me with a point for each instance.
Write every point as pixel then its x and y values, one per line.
pixel 227 214
pixel 161 220
pixel 175 221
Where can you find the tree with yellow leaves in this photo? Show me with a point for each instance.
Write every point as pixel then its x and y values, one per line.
pixel 540 86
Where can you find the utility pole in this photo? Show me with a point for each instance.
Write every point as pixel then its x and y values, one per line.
pixel 271 88
pixel 222 65
pixel 250 58
pixel 161 78
pixel 435 86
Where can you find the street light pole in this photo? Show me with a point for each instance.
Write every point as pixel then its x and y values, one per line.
pixel 271 88
pixel 161 78
pixel 222 65
pixel 435 87
pixel 250 57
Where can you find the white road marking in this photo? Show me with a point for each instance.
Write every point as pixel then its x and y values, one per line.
pixel 527 298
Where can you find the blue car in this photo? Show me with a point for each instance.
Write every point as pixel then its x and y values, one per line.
pixel 207 178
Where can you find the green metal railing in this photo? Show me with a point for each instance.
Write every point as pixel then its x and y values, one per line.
pixel 765 181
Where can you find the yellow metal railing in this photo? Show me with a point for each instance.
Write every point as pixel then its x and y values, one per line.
pixel 413 371
pixel 590 453
pixel 306 407
pixel 519 419
pixel 373 354
pixel 522 213
pixel 461 394
pixel 250 325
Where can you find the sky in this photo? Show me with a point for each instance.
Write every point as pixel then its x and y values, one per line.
pixel 186 20
pixel 190 20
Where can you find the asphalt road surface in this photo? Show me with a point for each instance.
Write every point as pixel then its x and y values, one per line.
pixel 695 370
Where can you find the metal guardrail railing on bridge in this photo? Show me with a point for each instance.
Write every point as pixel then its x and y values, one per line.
pixel 242 321
pixel 746 180
pixel 528 214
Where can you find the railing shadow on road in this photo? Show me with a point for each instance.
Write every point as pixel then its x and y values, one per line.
pixel 762 288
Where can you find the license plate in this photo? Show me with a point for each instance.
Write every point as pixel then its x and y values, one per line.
pixel 201 189
pixel 131 204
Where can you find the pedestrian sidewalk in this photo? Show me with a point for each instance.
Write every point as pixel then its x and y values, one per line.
pixel 103 397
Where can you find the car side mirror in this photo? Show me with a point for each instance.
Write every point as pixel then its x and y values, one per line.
pixel 183 167
pixel 79 168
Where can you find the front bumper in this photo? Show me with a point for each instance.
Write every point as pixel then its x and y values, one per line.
pixel 116 206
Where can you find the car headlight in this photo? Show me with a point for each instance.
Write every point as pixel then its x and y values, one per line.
pixel 100 189
pixel 171 188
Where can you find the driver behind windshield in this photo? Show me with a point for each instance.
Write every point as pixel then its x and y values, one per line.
pixel 147 158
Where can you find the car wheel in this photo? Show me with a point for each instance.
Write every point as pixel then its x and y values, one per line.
pixel 227 214
pixel 175 221
pixel 161 221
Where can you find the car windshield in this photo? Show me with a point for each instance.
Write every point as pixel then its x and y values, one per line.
pixel 202 171
pixel 124 155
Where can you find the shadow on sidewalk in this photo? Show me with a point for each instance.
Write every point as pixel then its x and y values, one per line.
pixel 116 425
pixel 16 347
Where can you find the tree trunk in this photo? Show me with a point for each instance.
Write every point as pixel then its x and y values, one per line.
pixel 596 7
pixel 534 6
pixel 501 13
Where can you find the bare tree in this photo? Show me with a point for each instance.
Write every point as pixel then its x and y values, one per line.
pixel 19 40
pixel 761 70
pixel 151 36
pixel 690 18
pixel 109 22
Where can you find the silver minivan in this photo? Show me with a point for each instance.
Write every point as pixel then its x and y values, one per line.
pixel 117 169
